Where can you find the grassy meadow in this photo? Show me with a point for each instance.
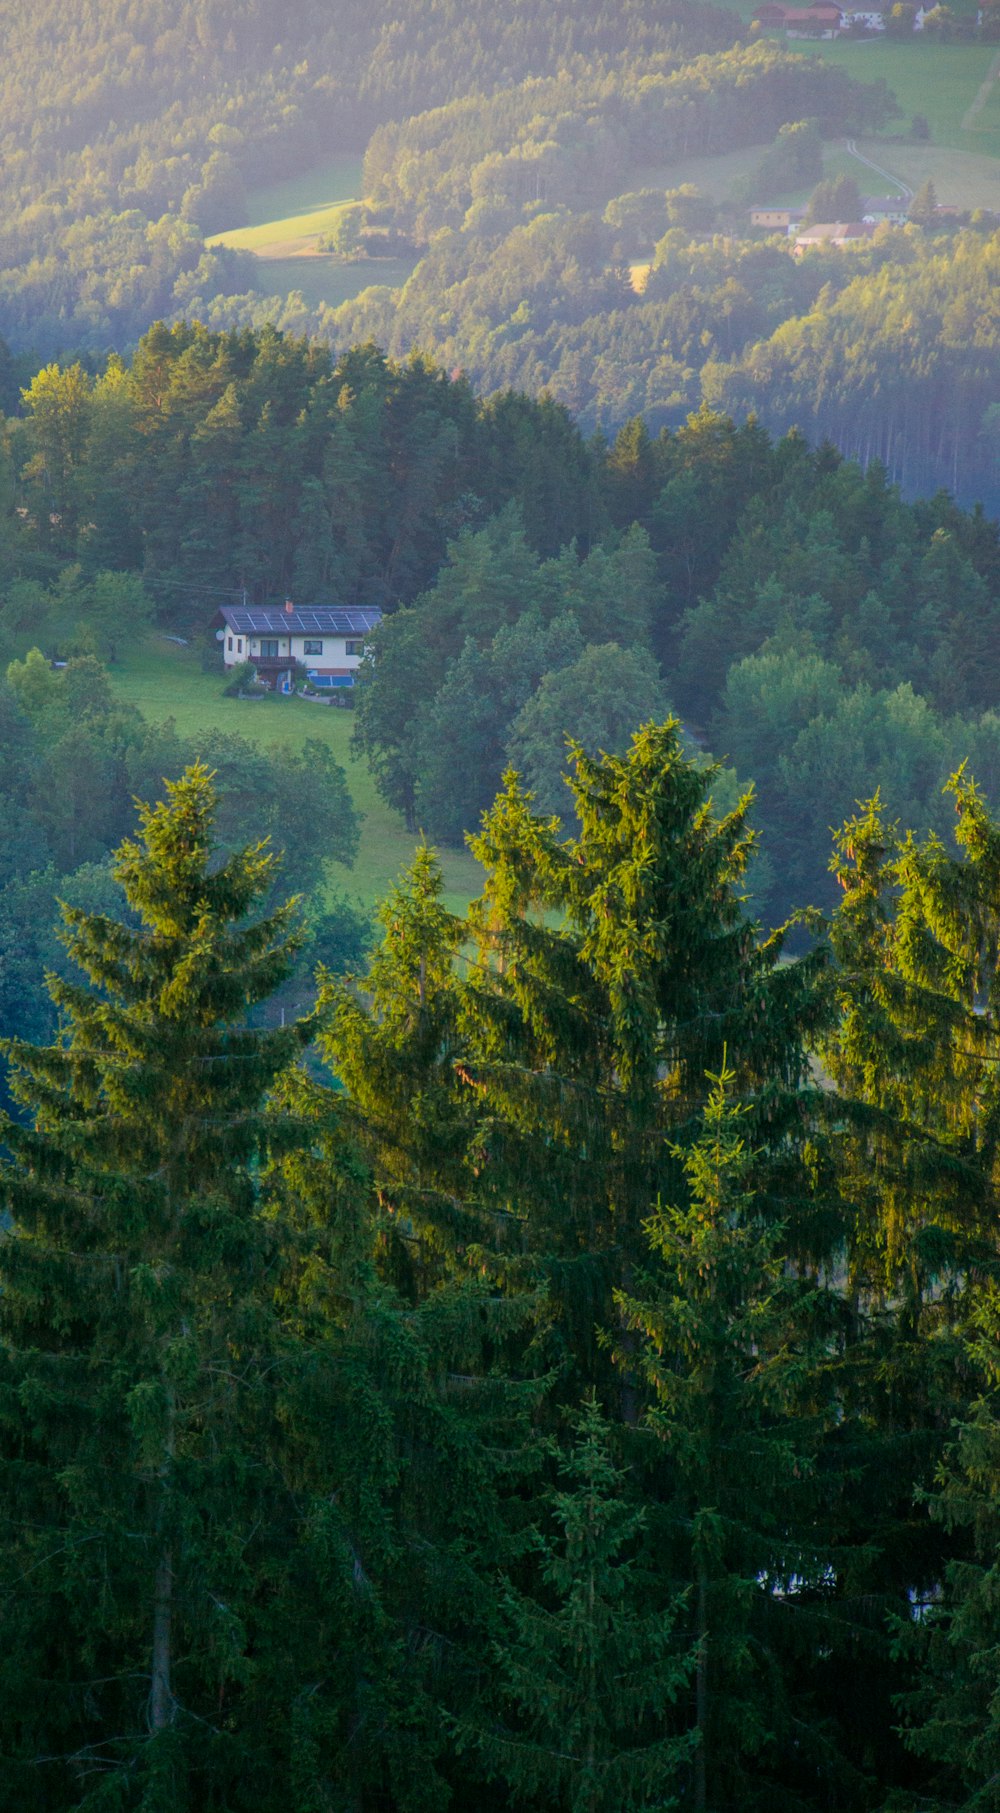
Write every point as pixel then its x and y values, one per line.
pixel 955 86
pixel 941 81
pixel 164 680
pixel 286 222
pixel 717 177
pixel 322 278
pixel 298 208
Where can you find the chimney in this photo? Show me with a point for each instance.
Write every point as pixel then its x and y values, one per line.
pixel 289 606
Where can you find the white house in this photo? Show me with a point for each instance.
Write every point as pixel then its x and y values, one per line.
pixel 328 641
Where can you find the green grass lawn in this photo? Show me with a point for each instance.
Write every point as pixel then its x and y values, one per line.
pixel 336 180
pixel 165 681
pixel 965 178
pixel 287 219
pixel 291 213
pixel 941 81
pixel 322 278
pixel 283 235
pixel 960 177
pixel 717 176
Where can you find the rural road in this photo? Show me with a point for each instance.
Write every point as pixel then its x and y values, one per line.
pixel 896 181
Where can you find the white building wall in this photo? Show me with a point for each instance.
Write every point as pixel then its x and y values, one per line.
pixel 237 648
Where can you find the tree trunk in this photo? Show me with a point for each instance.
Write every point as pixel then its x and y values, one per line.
pixel 701 1700
pixel 161 1700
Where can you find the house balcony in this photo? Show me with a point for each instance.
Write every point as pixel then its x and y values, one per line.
pixel 269 668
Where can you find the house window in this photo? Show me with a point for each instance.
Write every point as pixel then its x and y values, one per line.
pixel 354 648
pixel 269 645
pixel 312 647
pixel 239 645
pixel 230 645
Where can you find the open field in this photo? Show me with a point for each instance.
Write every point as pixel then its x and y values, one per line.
pixel 287 220
pixel 941 81
pixel 714 176
pixel 286 214
pixel 165 681
pixel 322 278
pixel 336 180
pixel 961 178
pixel 285 236
pixel 966 179
pixel 718 176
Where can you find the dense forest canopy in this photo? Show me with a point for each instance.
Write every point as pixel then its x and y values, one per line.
pixel 537 1358
pixel 508 150
pixel 129 131
pixel 579 1406
pixel 816 631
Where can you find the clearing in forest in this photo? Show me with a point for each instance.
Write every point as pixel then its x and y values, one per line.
pixel 164 681
pixel 288 217
pixel 940 81
pixel 287 220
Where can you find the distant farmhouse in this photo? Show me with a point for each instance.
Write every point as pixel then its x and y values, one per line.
pixel 778 218
pixel 327 641
pixel 832 233
pixel 876 210
pixel 823 19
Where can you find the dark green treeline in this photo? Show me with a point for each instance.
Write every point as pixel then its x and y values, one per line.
pixel 588 1404
pixel 813 629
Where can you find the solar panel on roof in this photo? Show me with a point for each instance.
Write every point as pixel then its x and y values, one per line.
pixel 332 619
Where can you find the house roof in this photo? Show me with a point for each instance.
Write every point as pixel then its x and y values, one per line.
pixel 773 10
pixel 304 620
pixel 825 230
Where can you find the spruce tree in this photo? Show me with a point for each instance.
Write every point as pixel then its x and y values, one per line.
pixel 140 1347
pixel 952 1640
pixel 914 1055
pixel 913 1052
pixel 587 1668
pixel 614 970
pixel 732 1345
pixel 393 1043
pixel 406 1403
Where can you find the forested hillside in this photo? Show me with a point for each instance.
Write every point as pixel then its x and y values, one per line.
pixel 528 161
pixel 577 1407
pixel 131 130
pixel 542 1356
pixel 890 351
pixel 815 631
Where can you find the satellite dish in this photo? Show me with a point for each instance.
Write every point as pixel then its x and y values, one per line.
pixel 220 635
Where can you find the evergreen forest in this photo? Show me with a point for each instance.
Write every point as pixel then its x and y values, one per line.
pixel 529 164
pixel 588 1403
pixel 817 634
pixel 528 1344
pixel 536 1358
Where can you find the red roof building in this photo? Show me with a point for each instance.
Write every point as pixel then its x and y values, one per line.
pixel 823 16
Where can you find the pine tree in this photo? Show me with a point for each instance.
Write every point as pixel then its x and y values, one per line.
pixel 914 1057
pixel 732 1347
pixel 951 1713
pixel 614 970
pixel 434 1451
pixel 914 1054
pixel 394 1049
pixel 140 1346
pixel 588 1668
